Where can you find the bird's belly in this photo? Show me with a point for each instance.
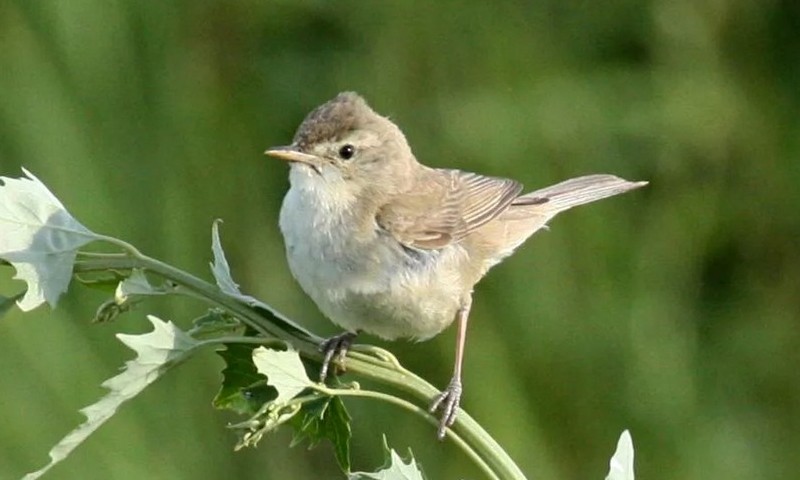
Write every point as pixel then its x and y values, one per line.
pixel 372 284
pixel 390 316
pixel 386 299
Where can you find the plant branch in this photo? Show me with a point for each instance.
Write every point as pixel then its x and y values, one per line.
pixel 368 362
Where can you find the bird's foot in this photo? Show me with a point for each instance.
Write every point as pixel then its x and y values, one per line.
pixel 447 402
pixel 335 349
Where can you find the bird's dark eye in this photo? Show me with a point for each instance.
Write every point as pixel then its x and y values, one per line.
pixel 347 151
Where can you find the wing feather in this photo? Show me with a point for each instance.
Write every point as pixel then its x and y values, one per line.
pixel 445 206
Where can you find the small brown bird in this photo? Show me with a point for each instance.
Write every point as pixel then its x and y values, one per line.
pixel 388 246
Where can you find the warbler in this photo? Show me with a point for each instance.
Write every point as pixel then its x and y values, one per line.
pixel 390 247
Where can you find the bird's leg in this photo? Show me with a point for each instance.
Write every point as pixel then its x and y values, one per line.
pixel 448 400
pixel 335 348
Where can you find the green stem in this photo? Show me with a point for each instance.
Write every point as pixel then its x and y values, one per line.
pixel 384 369
pixel 465 447
pixel 237 339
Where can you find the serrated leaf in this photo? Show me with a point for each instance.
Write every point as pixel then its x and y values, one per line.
pixel 222 275
pixel 326 418
pixel 284 371
pixel 395 468
pixel 219 267
pixel 156 352
pixel 222 271
pixel 40 239
pixel 126 295
pixel 243 389
pixel 308 422
pixel 135 285
pixel 621 464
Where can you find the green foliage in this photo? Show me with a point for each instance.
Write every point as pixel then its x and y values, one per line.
pixel 318 413
pixel 395 468
pixel 40 239
pixel 27 211
pixel 243 389
pixel 673 314
pixel 318 417
pixel 284 371
pixel 156 352
pixel 325 418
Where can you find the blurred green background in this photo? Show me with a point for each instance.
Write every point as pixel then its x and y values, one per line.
pixel 672 311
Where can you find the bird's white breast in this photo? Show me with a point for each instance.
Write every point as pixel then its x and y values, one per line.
pixel 362 278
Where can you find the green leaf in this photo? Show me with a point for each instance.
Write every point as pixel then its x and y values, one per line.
pixel 7 302
pixel 220 267
pixel 243 389
pixel 325 418
pixel 284 371
pixel 156 352
pixel 395 468
pixel 217 320
pixel 135 285
pixel 126 296
pixel 286 374
pixel 222 275
pixel 222 272
pixel 621 464
pixel 40 239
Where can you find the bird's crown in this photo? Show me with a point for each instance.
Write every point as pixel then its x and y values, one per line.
pixel 334 119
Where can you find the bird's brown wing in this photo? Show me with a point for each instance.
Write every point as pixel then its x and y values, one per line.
pixel 445 206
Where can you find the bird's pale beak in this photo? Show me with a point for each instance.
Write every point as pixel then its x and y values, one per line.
pixel 291 154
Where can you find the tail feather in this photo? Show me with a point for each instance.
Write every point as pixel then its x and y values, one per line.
pixel 531 212
pixel 577 191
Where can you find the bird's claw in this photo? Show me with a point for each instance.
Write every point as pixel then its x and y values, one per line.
pixel 335 349
pixel 447 401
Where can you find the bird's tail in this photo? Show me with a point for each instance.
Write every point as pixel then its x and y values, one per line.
pixel 577 191
pixel 531 212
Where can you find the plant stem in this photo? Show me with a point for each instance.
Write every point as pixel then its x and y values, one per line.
pixel 383 369
pixel 468 450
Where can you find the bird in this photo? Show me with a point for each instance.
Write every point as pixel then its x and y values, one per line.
pixel 390 247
